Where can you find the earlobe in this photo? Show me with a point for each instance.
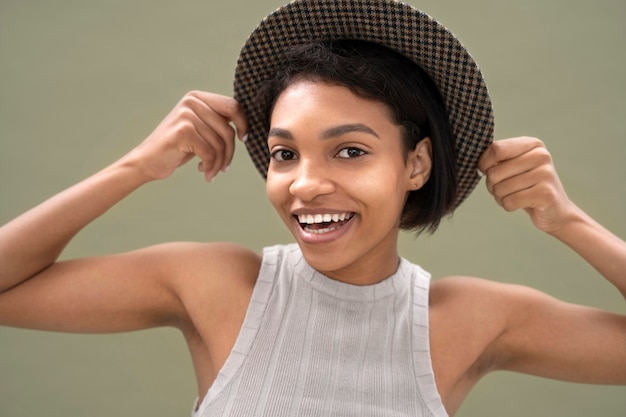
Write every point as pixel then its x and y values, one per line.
pixel 420 164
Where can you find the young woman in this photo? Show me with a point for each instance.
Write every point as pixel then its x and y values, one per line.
pixel 357 142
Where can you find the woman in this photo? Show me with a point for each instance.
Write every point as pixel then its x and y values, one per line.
pixel 344 161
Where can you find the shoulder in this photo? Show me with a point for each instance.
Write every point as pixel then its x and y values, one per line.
pixel 516 328
pixel 472 315
pixel 487 307
pixel 481 295
pixel 180 261
pixel 502 322
pixel 468 317
pixel 215 256
pixel 204 276
pixel 190 264
pixel 472 306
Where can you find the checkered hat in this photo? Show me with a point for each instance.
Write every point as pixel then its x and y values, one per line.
pixel 390 23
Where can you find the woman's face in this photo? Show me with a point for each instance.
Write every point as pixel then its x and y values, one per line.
pixel 339 179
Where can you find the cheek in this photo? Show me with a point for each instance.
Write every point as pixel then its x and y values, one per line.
pixel 383 188
pixel 395 181
pixel 270 190
pixel 276 191
pixel 388 175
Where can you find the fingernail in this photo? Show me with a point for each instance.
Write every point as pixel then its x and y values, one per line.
pixel 226 169
pixel 244 138
pixel 479 172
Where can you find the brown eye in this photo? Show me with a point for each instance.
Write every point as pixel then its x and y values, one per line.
pixel 350 153
pixel 284 155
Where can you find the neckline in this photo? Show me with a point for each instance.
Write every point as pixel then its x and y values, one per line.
pixel 350 292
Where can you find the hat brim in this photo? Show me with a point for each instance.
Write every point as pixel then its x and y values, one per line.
pixel 390 23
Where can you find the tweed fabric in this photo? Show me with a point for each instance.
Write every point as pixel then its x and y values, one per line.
pixel 390 23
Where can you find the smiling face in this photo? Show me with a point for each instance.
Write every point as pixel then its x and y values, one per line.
pixel 339 177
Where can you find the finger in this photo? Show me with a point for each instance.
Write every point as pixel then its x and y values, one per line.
pixel 226 107
pixel 506 149
pixel 209 147
pixel 217 112
pixel 517 167
pixel 195 136
pixel 199 139
pixel 522 199
pixel 504 190
pixel 532 190
pixel 214 130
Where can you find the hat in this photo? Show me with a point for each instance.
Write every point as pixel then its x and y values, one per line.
pixel 390 23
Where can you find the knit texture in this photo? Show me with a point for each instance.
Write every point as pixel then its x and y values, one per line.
pixel 313 346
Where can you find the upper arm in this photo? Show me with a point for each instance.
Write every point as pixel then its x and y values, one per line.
pixel 129 291
pixel 547 337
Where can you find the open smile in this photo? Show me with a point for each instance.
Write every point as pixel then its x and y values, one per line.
pixel 323 223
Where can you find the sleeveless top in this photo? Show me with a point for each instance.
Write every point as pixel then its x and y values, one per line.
pixel 313 346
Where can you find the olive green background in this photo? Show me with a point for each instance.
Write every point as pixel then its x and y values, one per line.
pixel 81 82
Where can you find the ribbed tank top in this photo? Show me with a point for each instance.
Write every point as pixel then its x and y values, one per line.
pixel 313 346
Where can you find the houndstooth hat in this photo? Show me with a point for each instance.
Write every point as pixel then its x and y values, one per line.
pixel 390 23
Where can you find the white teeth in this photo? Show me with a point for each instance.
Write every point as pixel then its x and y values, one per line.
pixel 322 218
pixel 322 231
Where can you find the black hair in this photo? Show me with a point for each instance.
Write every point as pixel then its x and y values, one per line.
pixel 378 73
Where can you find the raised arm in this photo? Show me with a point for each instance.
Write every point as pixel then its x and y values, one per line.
pixel 520 175
pixel 199 125
pixel 539 334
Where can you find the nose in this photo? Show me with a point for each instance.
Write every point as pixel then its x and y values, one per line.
pixel 311 180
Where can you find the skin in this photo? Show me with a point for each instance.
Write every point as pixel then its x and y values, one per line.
pixel 203 289
pixel 321 177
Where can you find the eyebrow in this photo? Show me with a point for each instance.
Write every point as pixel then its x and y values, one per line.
pixel 329 133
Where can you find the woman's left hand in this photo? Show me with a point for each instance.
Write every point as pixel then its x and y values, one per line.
pixel 521 175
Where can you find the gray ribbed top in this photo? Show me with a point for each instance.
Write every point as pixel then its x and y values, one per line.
pixel 313 346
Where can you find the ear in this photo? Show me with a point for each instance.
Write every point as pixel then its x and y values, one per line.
pixel 419 164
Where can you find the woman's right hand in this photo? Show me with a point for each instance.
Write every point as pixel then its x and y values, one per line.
pixel 199 125
pixel 126 291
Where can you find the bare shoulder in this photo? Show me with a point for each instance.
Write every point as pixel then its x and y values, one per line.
pixel 471 307
pixel 209 269
pixel 219 259
pixel 517 328
pixel 485 308
pixel 214 283
pixel 481 296
pixel 198 276
pixel 467 318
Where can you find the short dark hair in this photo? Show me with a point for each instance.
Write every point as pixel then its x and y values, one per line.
pixel 376 72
